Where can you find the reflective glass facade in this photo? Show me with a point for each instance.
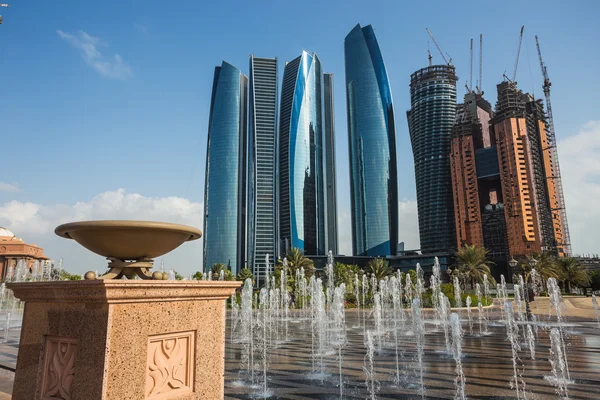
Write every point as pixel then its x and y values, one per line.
pixel 301 180
pixel 372 146
pixel 262 117
pixel 331 192
pixel 224 194
pixel 430 121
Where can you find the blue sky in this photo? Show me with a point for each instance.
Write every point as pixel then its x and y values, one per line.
pixel 101 96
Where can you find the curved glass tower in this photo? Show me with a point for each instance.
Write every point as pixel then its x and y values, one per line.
pixel 224 191
pixel 430 122
pixel 372 146
pixel 301 182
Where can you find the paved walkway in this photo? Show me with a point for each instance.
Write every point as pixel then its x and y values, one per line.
pixel 576 307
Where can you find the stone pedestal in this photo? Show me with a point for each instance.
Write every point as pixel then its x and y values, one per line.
pixel 121 340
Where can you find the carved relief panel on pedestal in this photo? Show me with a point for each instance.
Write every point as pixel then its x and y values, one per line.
pixel 169 371
pixel 59 368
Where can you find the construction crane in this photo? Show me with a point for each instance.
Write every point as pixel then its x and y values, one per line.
pixel 471 69
pixel 514 76
pixel 439 49
pixel 3 5
pixel 552 149
pixel 480 86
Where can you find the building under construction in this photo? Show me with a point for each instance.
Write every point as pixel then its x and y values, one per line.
pixel 504 176
pixel 476 185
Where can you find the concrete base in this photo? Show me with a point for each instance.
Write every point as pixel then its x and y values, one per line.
pixel 120 340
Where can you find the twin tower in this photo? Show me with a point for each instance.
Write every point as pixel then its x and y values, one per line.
pixel 270 165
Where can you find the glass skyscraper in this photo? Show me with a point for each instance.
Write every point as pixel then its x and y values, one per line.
pixel 330 193
pixel 262 118
pixel 301 181
pixel 224 195
pixel 372 146
pixel 430 122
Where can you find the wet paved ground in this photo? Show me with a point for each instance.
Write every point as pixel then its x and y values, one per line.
pixel 487 364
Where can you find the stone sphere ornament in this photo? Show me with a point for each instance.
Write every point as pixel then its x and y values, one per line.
pixel 90 275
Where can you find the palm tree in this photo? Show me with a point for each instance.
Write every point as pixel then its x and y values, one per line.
pixel 296 260
pixel 216 269
pixel 244 274
pixel 573 273
pixel 546 266
pixel 379 267
pixel 472 263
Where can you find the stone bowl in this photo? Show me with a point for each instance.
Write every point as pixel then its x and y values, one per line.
pixel 128 240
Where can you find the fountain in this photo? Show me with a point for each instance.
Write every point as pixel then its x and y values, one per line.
pixel 398 315
pixel 318 327
pixel 445 319
pixel 459 381
pixel 469 315
pixel 556 303
pixel 418 328
pixel 368 366
pixel 339 322
pixel 408 289
pixel 558 361
pixel 378 317
pixel 595 304
pixel 512 334
pixel 420 284
pixel 246 327
pixel 530 341
pixel 264 321
pixel 457 293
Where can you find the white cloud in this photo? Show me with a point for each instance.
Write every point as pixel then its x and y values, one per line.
pixel 110 67
pixel 580 170
pixel 409 227
pixel 8 187
pixel 36 223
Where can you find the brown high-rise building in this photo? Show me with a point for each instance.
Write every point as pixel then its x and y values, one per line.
pixel 465 191
pixel 502 175
pixel 479 213
pixel 547 199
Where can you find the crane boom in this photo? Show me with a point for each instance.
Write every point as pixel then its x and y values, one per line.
pixel 555 176
pixel 480 91
pixel 471 69
pixel 514 76
pixel 438 46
